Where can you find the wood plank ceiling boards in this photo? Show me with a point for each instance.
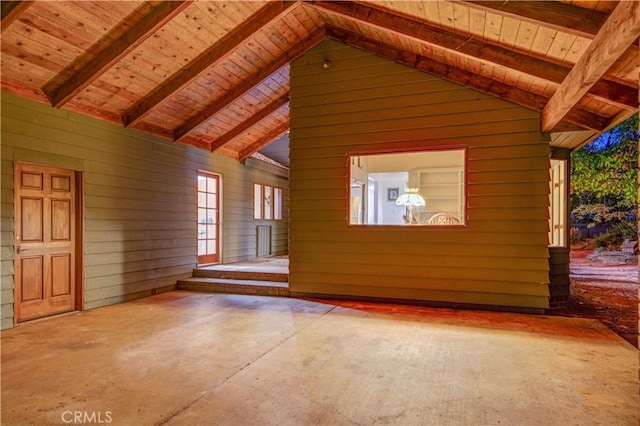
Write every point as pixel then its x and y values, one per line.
pixel 216 74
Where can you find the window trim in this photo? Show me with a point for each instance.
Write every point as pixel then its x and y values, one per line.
pixel 277 203
pixel 257 196
pixel 267 200
pixel 560 209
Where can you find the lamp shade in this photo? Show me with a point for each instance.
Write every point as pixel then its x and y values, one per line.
pixel 410 198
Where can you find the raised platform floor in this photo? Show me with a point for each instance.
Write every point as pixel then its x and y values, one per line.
pixel 262 276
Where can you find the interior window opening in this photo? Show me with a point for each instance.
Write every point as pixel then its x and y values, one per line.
pixel 267 202
pixel 411 188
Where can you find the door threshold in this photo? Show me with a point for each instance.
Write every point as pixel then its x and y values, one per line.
pixel 47 317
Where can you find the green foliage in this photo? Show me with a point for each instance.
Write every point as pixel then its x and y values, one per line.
pixel 606 171
pixel 614 237
pixel 604 184
pixel 621 223
pixel 595 214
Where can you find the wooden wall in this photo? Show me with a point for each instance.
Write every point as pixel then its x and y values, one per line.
pixel 139 201
pixel 560 257
pixel 364 103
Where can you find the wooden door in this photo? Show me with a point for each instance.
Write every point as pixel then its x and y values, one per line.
pixel 208 218
pixel 44 241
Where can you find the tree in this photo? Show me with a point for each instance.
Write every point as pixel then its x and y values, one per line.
pixel 606 170
pixel 604 179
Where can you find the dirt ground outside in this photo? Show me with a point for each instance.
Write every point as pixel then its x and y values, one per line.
pixel 605 291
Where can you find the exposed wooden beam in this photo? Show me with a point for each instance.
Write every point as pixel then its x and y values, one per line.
pixel 263 141
pixel 559 16
pixel 609 91
pixel 205 60
pixel 618 32
pixel 117 49
pixel 247 84
pixel 200 143
pixel 11 10
pixel 582 118
pixel 247 124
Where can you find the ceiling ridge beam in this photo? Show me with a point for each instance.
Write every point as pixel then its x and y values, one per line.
pixel 219 50
pixel 11 11
pixel 620 30
pixel 263 141
pixel 252 121
pixel 584 119
pixel 59 94
pixel 570 19
pixel 610 91
pixel 249 83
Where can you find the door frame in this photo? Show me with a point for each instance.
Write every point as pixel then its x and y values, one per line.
pixel 219 232
pixel 79 239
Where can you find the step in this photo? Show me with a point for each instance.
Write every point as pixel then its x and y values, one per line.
pixel 234 286
pixel 241 275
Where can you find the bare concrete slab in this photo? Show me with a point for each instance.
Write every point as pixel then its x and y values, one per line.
pixel 186 358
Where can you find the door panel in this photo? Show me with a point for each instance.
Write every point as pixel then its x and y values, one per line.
pixel 32 269
pixel 45 241
pixel 32 180
pixel 60 275
pixel 32 219
pixel 60 220
pixel 60 183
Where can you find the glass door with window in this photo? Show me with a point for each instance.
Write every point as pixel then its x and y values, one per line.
pixel 208 218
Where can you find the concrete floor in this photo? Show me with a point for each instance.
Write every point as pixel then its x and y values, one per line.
pixel 184 358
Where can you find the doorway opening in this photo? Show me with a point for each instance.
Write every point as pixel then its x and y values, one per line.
pixel 48 278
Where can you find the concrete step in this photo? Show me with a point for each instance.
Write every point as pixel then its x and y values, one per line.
pixel 241 275
pixel 235 286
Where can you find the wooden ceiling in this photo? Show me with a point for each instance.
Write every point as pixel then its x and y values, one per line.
pixel 215 74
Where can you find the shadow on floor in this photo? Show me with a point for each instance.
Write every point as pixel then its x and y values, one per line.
pixel 605 292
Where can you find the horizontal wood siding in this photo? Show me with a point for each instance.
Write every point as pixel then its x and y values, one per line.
pixel 6 242
pixel 363 103
pixel 559 275
pixel 560 257
pixel 139 201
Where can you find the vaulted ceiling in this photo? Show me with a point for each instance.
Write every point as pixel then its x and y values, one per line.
pixel 215 74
